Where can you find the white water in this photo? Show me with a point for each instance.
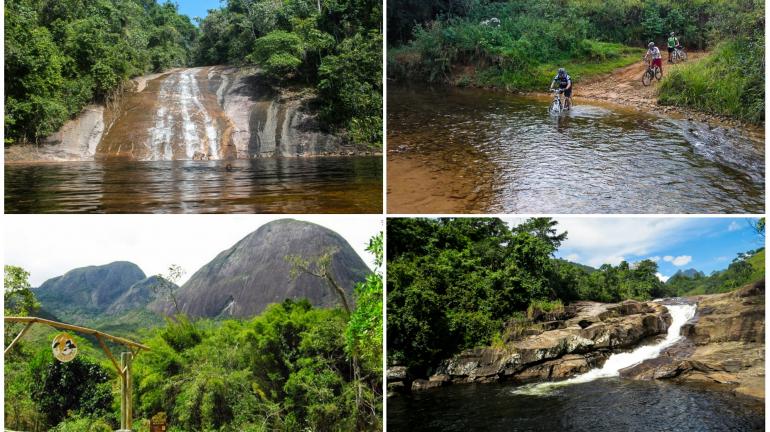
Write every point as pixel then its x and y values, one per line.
pixel 680 314
pixel 180 107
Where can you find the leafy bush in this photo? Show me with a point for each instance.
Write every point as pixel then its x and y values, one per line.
pixel 729 82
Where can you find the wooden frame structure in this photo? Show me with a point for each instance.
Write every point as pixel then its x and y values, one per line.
pixel 123 367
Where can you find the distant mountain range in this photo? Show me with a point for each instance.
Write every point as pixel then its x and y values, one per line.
pixel 689 274
pixel 240 281
pixel 92 291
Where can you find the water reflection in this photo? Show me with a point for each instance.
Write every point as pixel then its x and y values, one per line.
pixel 590 159
pixel 279 185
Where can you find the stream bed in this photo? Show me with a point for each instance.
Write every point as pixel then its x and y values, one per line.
pixel 474 151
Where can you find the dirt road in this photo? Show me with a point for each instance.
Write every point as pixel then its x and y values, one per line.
pixel 624 86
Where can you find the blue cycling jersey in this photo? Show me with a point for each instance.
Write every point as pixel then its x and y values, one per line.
pixel 563 81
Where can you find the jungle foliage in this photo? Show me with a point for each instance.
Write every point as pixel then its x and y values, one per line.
pixel 292 368
pixel 334 45
pixel 453 284
pixel 62 54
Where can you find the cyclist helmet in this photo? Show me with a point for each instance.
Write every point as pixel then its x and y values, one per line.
pixel 672 33
pixel 562 71
pixel 651 44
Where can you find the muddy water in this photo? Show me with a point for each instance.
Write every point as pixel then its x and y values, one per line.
pixel 478 151
pixel 275 185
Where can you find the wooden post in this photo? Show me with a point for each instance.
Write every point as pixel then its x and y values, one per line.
pixel 126 409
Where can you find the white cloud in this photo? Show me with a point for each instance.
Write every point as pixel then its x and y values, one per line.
pixel 600 240
pixel 48 246
pixel 572 257
pixel 681 260
pixel 654 258
pixel 678 261
pixel 734 226
pixel 662 277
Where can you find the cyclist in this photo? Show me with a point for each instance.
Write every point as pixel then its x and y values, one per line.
pixel 654 54
pixel 673 43
pixel 565 84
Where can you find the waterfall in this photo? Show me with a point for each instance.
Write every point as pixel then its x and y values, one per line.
pixel 680 314
pixel 182 120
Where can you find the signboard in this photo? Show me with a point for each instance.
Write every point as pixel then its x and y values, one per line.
pixel 64 347
pixel 158 422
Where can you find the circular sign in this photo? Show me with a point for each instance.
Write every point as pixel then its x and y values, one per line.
pixel 64 347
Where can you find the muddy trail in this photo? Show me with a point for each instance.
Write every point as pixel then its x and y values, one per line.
pixel 624 86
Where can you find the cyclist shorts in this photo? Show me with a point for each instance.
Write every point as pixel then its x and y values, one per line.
pixel 670 49
pixel 568 92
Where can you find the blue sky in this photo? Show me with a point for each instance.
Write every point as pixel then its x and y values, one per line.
pixel 706 244
pixel 193 8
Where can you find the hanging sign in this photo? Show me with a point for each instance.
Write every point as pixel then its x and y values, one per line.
pixel 64 347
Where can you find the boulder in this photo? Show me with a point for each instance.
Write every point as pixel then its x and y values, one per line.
pixel 723 345
pixel 560 349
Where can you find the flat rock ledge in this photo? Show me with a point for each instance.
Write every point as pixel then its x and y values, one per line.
pixel 724 346
pixel 553 350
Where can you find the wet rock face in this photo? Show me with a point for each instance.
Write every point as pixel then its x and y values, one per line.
pixel 559 350
pixel 203 113
pixel 723 345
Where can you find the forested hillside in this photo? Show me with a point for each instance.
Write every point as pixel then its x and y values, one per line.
pixel 293 367
pixel 61 55
pixel 457 287
pixel 518 45
pixel 746 267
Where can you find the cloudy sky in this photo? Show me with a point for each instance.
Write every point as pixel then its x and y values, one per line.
pixel 49 246
pixel 706 244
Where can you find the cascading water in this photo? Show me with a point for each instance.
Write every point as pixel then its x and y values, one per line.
pixel 680 314
pixel 182 120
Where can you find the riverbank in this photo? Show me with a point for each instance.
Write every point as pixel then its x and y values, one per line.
pixel 721 348
pixel 614 80
pixel 555 347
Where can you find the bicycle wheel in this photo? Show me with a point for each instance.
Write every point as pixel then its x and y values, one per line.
pixel 658 73
pixel 683 55
pixel 556 107
pixel 647 78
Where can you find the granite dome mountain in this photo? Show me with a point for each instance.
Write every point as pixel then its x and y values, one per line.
pixel 89 292
pixel 253 273
pixel 240 281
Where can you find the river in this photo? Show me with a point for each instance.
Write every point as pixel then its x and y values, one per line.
pixel 474 151
pixel 274 185
pixel 595 401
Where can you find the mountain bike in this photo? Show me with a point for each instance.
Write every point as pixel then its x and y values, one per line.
pixel 678 55
pixel 650 73
pixel 556 106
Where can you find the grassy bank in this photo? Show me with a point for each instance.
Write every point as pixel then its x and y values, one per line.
pixel 730 82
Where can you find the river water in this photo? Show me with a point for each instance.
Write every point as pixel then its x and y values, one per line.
pixel 607 404
pixel 595 401
pixel 274 185
pixel 470 150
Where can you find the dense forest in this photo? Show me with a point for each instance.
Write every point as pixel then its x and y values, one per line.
pixel 294 368
pixel 457 287
pixel 518 45
pixel 61 55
